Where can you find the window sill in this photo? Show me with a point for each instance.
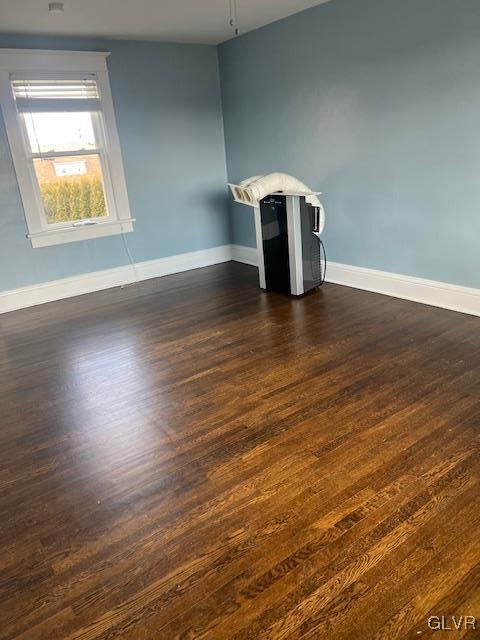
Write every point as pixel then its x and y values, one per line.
pixel 74 234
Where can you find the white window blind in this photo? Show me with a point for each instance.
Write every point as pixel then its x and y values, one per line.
pixel 47 95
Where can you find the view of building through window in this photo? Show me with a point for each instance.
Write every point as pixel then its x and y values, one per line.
pixel 71 186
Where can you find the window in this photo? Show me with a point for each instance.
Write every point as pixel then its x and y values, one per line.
pixel 61 128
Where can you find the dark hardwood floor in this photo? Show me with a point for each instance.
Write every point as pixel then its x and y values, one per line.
pixel 193 458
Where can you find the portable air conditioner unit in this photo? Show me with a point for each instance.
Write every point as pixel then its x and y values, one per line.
pixel 289 219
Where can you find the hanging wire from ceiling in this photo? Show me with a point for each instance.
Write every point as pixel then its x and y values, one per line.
pixel 234 16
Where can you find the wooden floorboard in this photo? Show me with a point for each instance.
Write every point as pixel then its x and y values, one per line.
pixel 190 457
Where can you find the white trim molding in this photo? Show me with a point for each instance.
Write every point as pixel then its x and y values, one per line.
pixel 42 59
pixel 107 278
pixel 247 255
pixel 86 232
pixel 430 292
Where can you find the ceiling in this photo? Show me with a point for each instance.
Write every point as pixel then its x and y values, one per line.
pixel 201 21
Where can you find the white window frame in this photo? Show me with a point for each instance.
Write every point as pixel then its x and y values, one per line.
pixel 42 62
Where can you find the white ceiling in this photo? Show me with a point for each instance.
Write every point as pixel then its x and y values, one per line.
pixel 202 21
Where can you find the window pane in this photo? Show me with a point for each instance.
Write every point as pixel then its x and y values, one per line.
pixel 71 188
pixel 49 132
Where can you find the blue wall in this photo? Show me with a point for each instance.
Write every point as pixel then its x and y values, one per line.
pixel 167 104
pixel 377 104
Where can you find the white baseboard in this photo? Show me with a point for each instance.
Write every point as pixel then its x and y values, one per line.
pixel 105 279
pixel 247 255
pixel 431 292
